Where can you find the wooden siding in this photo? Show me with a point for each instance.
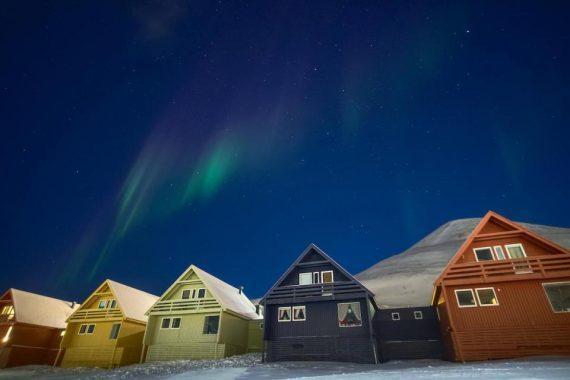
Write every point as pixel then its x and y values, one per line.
pixel 255 336
pixel 343 349
pixel 185 351
pixel 29 345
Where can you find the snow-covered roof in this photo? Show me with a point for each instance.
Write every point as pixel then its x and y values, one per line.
pixel 40 310
pixel 406 279
pixel 133 302
pixel 229 297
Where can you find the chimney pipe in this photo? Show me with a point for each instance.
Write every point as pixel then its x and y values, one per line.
pixel 240 289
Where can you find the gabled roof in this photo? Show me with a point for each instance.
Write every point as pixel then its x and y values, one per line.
pixel 336 265
pixel 406 279
pixel 133 302
pixel 35 309
pixel 229 297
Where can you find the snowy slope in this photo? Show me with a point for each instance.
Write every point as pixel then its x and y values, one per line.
pixel 407 279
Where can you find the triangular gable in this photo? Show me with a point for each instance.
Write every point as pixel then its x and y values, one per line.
pixel 99 291
pixel 309 255
pixel 226 295
pixel 495 224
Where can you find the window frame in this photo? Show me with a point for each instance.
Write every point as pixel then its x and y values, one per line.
pixel 482 248
pixel 310 274
pixel 479 299
pixel 205 324
pixel 396 316
pixel 198 293
pixel 421 314
pixel 359 316
pixel 112 304
pixel 89 326
pixel 179 323
pixel 304 308
pixel 80 327
pixel 162 323
pixel 104 303
pixel 507 246
pixel 472 295
pixel 279 320
pixel 184 292
pixel 316 277
pixel 332 276
pixel 118 331
pixel 495 249
pixel 548 298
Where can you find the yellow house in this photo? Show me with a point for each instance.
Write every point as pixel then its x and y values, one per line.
pixel 201 317
pixel 108 329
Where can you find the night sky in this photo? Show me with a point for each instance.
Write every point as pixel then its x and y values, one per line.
pixel 139 138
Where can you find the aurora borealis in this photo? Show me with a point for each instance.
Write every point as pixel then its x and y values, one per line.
pixel 143 137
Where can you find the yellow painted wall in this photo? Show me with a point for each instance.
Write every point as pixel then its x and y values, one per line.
pixel 255 336
pixel 234 333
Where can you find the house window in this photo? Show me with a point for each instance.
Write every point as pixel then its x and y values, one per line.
pixel 327 277
pixel 483 254
pixel 465 298
pixel 284 314
pixel 349 314
pixel 487 297
pixel 515 251
pixel 165 324
pixel 82 329
pixel 9 311
pixel 305 278
pixel 201 293
pixel 186 294
pixel 316 277
pixel 418 314
pixel 499 254
pixel 115 331
pixel 102 304
pixel 175 323
pixel 211 323
pixel 113 304
pixel 299 313
pixel 558 294
pixel 90 329
pixel 395 316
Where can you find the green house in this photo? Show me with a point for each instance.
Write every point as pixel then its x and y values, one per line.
pixel 201 317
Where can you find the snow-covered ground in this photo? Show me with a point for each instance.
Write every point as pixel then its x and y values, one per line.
pixel 250 367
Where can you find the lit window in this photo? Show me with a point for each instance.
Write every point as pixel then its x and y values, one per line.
pixel 82 329
pixel 90 329
pixel 175 323
pixel 499 254
pixel 284 314
pixel 465 298
pixel 349 314
pixel 115 331
pixel 515 251
pixel 8 310
pixel 487 297
pixel 395 316
pixel 305 278
pixel 211 323
pixel 165 324
pixel 186 294
pixel 201 293
pixel 558 295
pixel 418 314
pixel 483 254
pixel 327 277
pixel 299 313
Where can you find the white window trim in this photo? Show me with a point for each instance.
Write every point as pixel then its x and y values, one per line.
pixel 304 313
pixel 482 248
pixel 169 323
pixel 279 313
pixel 397 315
pixel 189 294
pixel 418 312
pixel 332 276
pixel 466 290
pixel 507 246
pixel 87 330
pixel 172 323
pixel 198 293
pixel 349 303
pixel 310 275
pixel 318 275
pixel 479 299
pixel 548 298
pixel 498 247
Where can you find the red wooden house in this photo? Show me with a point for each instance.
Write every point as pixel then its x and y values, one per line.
pixel 31 327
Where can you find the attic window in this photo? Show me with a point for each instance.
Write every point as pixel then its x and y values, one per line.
pixel 316 277
pixel 201 293
pixel 327 277
pixel 499 254
pixel 515 251
pixel 305 278
pixel 186 294
pixel 483 254
pixel 102 304
pixel 395 316
pixel 8 311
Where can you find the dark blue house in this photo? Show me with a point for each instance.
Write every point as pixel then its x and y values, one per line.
pixel 318 311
